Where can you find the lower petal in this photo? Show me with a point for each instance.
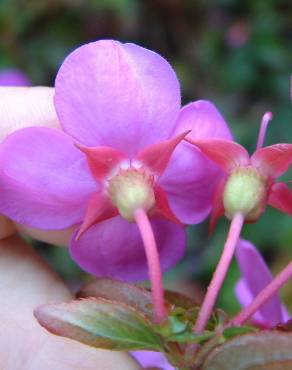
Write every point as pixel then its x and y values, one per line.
pixel 113 248
pixel 45 182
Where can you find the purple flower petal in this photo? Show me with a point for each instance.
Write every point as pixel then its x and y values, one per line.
pixel 13 77
pixel 119 95
pixel 45 182
pixel 114 248
pixel 190 178
pixel 256 276
pixel 245 297
pixel 152 359
pixel 205 121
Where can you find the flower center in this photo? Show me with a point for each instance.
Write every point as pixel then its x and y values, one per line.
pixel 245 192
pixel 131 189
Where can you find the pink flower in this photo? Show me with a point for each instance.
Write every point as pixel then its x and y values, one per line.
pixel 13 77
pixel 255 276
pixel 119 107
pixel 249 183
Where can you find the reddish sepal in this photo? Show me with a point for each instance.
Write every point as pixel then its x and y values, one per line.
pixel 162 207
pixel 101 160
pixel 157 156
pixel 99 208
pixel 280 197
pixel 226 154
pixel 273 160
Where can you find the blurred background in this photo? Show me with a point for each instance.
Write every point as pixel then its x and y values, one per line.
pixel 235 53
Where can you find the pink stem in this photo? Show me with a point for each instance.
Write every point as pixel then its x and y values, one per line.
pixel 264 124
pixel 220 273
pixel 267 293
pixel 154 268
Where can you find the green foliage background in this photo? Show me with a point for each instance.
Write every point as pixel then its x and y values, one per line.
pixel 236 53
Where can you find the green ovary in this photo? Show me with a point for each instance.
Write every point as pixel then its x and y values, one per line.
pixel 245 192
pixel 131 189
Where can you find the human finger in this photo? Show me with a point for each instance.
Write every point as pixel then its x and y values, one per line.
pixel 26 282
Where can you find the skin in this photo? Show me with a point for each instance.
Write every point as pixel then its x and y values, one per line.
pixel 26 280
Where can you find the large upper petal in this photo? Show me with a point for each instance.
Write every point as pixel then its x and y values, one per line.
pixel 44 179
pixel 190 178
pixel 118 95
pixel 113 248
pixel 256 276
pixel 204 119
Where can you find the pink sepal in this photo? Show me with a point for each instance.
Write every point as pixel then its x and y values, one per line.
pixel 162 207
pixel 280 197
pixel 273 160
pixel 157 156
pixel 101 160
pixel 226 154
pixel 98 209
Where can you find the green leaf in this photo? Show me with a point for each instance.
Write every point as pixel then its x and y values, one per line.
pixel 100 323
pixel 119 291
pixel 188 337
pixel 267 350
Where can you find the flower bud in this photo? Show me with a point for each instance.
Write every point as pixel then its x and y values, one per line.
pixel 245 192
pixel 132 189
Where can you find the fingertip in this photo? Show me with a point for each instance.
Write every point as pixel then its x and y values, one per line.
pixel 56 237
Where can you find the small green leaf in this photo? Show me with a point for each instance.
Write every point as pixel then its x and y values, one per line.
pixel 100 323
pixel 266 350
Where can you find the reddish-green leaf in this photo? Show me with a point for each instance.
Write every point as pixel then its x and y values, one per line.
pixel 267 350
pixel 100 323
pixel 119 291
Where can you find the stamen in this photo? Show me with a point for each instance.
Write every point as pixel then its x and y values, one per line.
pixel 154 268
pixel 267 117
pixel 268 292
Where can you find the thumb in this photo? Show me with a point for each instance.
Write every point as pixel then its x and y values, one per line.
pixel 24 107
pixel 26 282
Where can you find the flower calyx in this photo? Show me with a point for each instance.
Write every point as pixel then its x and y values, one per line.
pixel 248 184
pixel 245 192
pixel 131 189
pixel 127 185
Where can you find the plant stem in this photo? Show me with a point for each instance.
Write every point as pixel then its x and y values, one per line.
pixel 220 273
pixel 267 293
pixel 154 268
pixel 263 128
